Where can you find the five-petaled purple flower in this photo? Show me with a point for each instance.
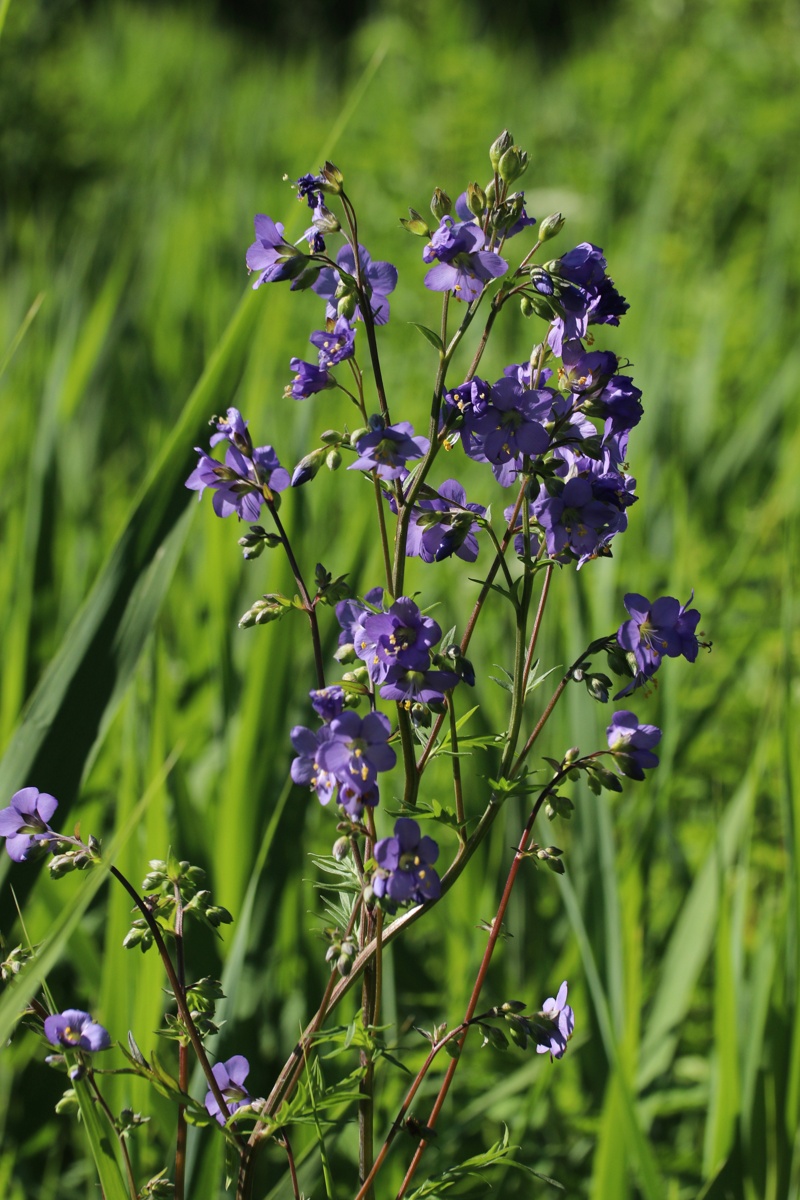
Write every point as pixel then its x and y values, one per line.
pixel 664 629
pixel 230 1076
pixel 309 379
pixel 239 482
pixel 554 1025
pixel 405 873
pixel 357 749
pixel 336 345
pixel 271 255
pixel 24 824
pixel 586 295
pixel 388 448
pixel 463 267
pixel 76 1030
pixel 378 279
pixel 453 533
pixel 632 744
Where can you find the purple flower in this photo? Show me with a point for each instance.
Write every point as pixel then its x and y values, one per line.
pixel 379 279
pixel 239 483
pixel 309 379
pixel 334 345
pixel 387 449
pixel 510 428
pixel 327 702
pixel 24 824
pixel 454 533
pixel 464 267
pixel 405 873
pixel 232 428
pixel 664 629
pixel 553 1026
pixel 401 637
pixel 586 372
pixel 306 768
pixel 271 255
pixel 230 1077
pixel 351 615
pixel 409 687
pixel 585 295
pixel 581 513
pixel 357 749
pixel 76 1030
pixel 632 744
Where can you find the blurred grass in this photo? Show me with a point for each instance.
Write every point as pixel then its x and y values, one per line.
pixel 666 136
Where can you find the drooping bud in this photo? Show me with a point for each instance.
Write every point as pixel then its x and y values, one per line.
pixel 333 179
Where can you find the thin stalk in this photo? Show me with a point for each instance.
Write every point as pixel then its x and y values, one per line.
pixel 457 788
pixel 537 624
pixel 399 1120
pixel 284 1139
pixel 183 1055
pixel 476 612
pixel 308 605
pixel 178 993
pixel 366 311
pixel 121 1140
pixel 494 934
pixel 387 556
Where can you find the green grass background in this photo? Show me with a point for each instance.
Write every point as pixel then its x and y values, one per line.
pixel 136 144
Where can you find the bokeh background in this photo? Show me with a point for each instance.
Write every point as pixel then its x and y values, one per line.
pixel 137 140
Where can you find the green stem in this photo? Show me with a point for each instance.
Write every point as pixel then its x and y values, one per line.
pixel 308 605
pixel 177 991
pixel 120 1139
pixel 183 1055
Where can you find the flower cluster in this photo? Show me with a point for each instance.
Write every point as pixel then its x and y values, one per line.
pixel 396 647
pixel 345 757
pixel 247 479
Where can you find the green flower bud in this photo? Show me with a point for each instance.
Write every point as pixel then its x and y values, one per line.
pixel 325 221
pixel 333 459
pixel 415 224
pixel 513 164
pixel 331 437
pixel 61 864
pixel 334 179
pixel 441 204
pixel 476 199
pixel 347 306
pixel 525 306
pixel 499 147
pixel 550 226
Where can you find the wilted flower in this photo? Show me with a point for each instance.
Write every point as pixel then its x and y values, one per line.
pixel 553 1026
pixel 76 1030
pixel 632 744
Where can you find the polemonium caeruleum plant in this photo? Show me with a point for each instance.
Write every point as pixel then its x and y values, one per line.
pixel 553 434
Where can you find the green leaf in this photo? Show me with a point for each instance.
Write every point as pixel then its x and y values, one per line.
pixel 429 336
pixel 102 1145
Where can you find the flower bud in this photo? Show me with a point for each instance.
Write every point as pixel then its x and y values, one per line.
pixel 441 204
pixel 347 306
pixel 333 179
pixel 61 864
pixel 499 147
pixel 476 199
pixel 331 437
pixel 550 226
pixel 308 467
pixel 324 220
pixel 341 849
pixel 416 224
pixel 525 306
pixel 333 459
pixel 513 164
pixel 253 545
